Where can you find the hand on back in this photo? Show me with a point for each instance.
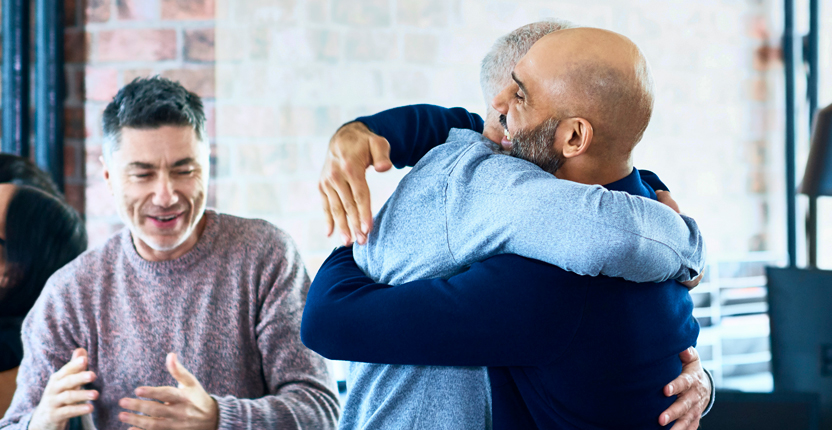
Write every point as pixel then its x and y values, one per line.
pixel 693 393
pixel 343 182
pixel 63 398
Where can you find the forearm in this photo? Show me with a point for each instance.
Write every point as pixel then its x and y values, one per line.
pixel 504 311
pixel 416 129
pixel 296 406
pixel 584 229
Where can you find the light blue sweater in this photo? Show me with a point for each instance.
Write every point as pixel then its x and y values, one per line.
pixel 463 203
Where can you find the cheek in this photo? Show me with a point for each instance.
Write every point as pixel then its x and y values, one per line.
pixel 132 196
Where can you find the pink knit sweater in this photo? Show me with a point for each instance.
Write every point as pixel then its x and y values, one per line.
pixel 231 308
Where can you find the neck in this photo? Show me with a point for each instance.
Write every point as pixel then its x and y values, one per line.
pixel 154 255
pixel 594 173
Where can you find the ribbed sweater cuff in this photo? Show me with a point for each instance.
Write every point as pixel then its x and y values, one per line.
pixel 229 413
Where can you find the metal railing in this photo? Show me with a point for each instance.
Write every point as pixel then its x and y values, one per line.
pixel 732 309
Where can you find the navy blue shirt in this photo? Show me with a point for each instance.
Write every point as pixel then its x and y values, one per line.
pixel 563 351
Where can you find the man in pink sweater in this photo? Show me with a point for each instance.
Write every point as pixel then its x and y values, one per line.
pixel 184 319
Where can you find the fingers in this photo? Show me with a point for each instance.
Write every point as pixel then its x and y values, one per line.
pixel 693 283
pixel 343 182
pixel 330 223
pixel 77 364
pixel 79 352
pixel 681 384
pixel 179 372
pixel 685 423
pixel 339 215
pixel 162 394
pixel 75 396
pixel 677 411
pixel 664 197
pixel 71 411
pixel 380 153
pixel 146 407
pixel 344 188
pixel 361 194
pixel 146 423
pixel 72 382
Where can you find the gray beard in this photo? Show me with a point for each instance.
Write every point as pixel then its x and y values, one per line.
pixel 538 145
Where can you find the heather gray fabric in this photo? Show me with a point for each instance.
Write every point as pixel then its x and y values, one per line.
pixel 463 203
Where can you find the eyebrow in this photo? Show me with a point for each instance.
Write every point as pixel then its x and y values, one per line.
pixel 183 162
pixel 141 165
pixel 519 83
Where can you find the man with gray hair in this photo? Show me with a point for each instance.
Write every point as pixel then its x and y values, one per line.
pixel 463 341
pixel 186 318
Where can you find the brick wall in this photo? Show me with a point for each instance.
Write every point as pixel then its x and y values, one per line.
pixel 125 39
pixel 289 72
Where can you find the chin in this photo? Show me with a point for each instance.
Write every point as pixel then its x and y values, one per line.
pixel 164 243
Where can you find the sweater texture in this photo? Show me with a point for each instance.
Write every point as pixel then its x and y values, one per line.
pixel 230 308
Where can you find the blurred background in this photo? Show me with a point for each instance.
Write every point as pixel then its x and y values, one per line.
pixel 278 77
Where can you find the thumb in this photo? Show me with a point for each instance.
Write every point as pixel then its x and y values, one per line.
pixel 380 153
pixel 179 372
pixel 79 352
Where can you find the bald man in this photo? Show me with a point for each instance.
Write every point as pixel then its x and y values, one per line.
pixel 543 329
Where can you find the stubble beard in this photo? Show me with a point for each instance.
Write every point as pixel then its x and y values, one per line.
pixel 538 145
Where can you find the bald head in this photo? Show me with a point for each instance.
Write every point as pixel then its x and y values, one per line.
pixel 598 75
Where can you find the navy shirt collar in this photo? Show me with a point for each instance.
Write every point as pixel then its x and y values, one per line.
pixel 632 184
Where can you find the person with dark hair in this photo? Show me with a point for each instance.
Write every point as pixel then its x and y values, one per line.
pixel 182 295
pixel 39 234
pixel 20 171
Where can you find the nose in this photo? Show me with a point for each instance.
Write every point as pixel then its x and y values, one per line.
pixel 500 102
pixel 163 194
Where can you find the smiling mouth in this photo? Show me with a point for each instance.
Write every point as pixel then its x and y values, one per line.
pixel 504 123
pixel 164 218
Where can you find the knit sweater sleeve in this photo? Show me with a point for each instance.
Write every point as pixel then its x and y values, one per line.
pixel 302 393
pixel 50 334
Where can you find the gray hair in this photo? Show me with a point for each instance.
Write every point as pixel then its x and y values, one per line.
pixel 508 50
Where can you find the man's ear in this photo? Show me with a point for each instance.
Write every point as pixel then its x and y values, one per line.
pixel 574 135
pixel 106 172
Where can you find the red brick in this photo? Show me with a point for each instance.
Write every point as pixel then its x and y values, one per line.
pixel 70 13
pixel 92 118
pixel 136 45
pixel 199 44
pixel 101 83
pixel 70 157
pixel 130 75
pixel 74 86
pixel 181 10
pixel 137 10
pixel 74 194
pixel 74 123
pixel 76 46
pixel 199 81
pixel 98 10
